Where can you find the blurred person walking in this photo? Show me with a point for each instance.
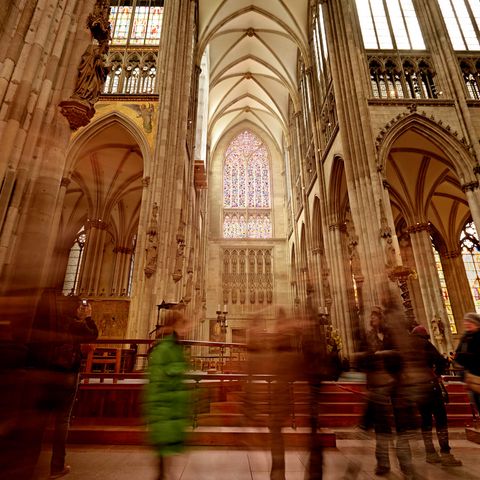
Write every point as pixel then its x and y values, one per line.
pixel 430 365
pixel 275 357
pixel 61 325
pixel 166 397
pixel 468 356
pixel 384 361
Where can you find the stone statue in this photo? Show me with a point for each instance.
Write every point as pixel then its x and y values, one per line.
pixel 151 254
pixel 146 112
pixel 92 74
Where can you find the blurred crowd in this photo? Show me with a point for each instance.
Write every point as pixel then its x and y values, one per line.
pixel 405 393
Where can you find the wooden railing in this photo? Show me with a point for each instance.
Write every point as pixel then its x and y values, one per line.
pixel 110 357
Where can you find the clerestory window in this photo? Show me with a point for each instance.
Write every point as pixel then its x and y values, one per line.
pixel 246 188
pixel 136 22
pixel 462 19
pixel 389 25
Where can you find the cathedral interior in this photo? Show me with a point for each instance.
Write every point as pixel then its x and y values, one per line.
pixel 239 158
pixel 248 155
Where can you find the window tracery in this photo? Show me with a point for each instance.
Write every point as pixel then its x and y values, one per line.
pixel 397 78
pixel 246 188
pixel 470 248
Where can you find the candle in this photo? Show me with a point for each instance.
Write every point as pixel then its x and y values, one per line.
pixel 224 307
pixel 218 307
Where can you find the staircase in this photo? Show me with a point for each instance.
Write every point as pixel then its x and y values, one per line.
pixel 111 413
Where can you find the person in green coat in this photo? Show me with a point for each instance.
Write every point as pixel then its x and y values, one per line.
pixel 166 398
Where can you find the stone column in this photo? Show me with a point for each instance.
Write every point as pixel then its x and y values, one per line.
pixel 123 258
pixel 430 285
pixel 170 162
pixel 364 189
pixel 472 193
pixel 457 285
pixel 92 258
pixel 340 309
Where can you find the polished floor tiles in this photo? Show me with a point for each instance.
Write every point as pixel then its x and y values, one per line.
pixel 222 463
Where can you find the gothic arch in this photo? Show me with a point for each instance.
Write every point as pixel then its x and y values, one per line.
pixel 457 151
pixel 100 124
pixel 316 224
pixel 338 192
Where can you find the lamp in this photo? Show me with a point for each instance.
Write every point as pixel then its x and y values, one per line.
pixel 222 318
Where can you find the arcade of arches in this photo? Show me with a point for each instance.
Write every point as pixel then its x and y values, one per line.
pixel 242 153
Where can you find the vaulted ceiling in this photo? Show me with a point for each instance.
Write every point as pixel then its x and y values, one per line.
pixel 253 47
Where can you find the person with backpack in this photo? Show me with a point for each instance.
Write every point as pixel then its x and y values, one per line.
pixel 430 364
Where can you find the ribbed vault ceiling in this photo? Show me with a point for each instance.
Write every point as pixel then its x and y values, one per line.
pixel 424 187
pixel 253 48
pixel 106 184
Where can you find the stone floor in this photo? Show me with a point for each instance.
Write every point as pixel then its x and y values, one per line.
pixel 222 463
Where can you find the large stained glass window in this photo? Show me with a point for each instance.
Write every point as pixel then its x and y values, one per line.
pixel 462 19
pixel 445 296
pixel 389 25
pixel 246 188
pixel 470 247
pixel 136 22
pixel 73 264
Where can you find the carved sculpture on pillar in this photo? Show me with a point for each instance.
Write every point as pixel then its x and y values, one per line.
pixel 151 250
pixel 386 234
pixel 438 331
pixel 189 284
pixel 92 73
pixel 179 255
pixel 400 274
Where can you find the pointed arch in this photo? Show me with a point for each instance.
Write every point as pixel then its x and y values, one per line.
pixel 94 128
pixel 456 151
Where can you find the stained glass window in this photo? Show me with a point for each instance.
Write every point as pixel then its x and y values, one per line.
pixel 246 188
pixel 462 19
pixel 73 263
pixel 445 296
pixel 470 247
pixel 389 24
pixel 137 22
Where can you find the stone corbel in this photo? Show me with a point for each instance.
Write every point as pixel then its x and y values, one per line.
pixel 92 73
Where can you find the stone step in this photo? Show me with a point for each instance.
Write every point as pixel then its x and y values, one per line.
pixel 204 436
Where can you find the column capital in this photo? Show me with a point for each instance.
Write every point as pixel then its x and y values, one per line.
pixel 418 227
pixel 450 255
pixel 97 223
pixel 470 187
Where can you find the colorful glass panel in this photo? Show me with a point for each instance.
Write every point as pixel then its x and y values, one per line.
pixel 246 185
pixel 471 260
pixel 445 296
pixel 136 24
pixel 122 16
pixel 154 26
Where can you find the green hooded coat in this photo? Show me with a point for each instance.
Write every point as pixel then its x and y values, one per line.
pixel 166 400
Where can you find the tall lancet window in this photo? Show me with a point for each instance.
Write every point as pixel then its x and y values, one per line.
pixel 470 247
pixel 70 282
pixel 246 188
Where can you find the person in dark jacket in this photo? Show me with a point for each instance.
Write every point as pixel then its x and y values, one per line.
pixel 60 325
pixel 166 397
pixel 384 361
pixel 430 364
pixel 468 354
